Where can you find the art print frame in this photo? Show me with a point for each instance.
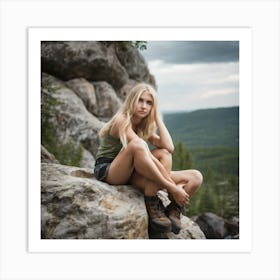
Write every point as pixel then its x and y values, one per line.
pixel 243 35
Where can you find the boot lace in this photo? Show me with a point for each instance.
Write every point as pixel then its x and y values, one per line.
pixel 175 209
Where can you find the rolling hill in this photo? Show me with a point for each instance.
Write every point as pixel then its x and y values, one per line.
pixel 217 127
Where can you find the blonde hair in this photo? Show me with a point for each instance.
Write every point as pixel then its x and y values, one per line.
pixel 147 126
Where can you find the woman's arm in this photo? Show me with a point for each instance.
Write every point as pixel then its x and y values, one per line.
pixel 163 140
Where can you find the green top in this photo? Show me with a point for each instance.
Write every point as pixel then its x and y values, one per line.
pixel 109 147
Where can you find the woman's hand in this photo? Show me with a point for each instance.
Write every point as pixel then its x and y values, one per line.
pixel 158 117
pixel 180 196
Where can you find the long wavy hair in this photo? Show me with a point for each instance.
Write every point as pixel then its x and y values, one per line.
pixel 146 127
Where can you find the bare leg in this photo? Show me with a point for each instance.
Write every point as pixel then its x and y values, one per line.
pixel 191 179
pixel 158 222
pixel 163 160
pixel 137 156
pixel 146 186
pixel 164 157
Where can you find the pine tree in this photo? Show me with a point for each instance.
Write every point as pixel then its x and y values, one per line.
pixel 181 157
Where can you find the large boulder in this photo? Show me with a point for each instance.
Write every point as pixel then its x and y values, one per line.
pixel 69 117
pixel 75 205
pixel 124 91
pixel 91 60
pixel 86 92
pixel 212 225
pixel 107 101
pixel 135 64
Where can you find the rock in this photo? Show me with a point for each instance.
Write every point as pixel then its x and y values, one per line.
pixel 85 91
pixel 135 65
pixel 124 91
pixel 87 80
pixel 76 206
pixel 83 85
pixel 87 161
pixel 107 101
pixel 70 118
pixel 232 226
pixel 212 225
pixel 86 59
pixel 190 230
pixel 47 157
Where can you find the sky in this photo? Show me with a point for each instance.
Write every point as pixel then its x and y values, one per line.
pixel 194 75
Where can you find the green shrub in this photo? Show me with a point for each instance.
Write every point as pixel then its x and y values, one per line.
pixel 65 153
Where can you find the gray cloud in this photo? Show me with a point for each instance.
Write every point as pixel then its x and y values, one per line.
pixel 190 52
pixel 194 74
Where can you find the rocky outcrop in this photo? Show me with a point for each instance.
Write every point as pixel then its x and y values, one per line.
pixel 76 206
pixel 94 61
pixel 135 65
pixel 70 119
pixel 83 85
pixel 88 81
pixel 89 60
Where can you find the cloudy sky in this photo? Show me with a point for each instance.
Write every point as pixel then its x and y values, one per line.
pixel 193 75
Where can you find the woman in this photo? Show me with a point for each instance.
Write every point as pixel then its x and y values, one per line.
pixel 123 157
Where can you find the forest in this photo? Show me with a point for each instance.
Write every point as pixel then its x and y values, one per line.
pixel 208 140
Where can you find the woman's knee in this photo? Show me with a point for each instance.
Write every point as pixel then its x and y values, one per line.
pixel 197 177
pixel 136 145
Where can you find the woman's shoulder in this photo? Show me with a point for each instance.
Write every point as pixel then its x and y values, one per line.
pixel 118 123
pixel 120 118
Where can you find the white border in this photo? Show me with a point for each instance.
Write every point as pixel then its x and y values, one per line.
pixel 263 17
pixel 243 35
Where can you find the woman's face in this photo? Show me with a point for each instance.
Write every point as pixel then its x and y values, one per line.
pixel 144 105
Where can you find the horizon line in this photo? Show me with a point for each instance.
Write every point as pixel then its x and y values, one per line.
pixel 198 109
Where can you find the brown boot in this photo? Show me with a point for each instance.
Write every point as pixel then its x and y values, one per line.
pixel 173 212
pixel 157 218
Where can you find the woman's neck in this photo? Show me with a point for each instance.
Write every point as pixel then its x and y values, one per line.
pixel 135 121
